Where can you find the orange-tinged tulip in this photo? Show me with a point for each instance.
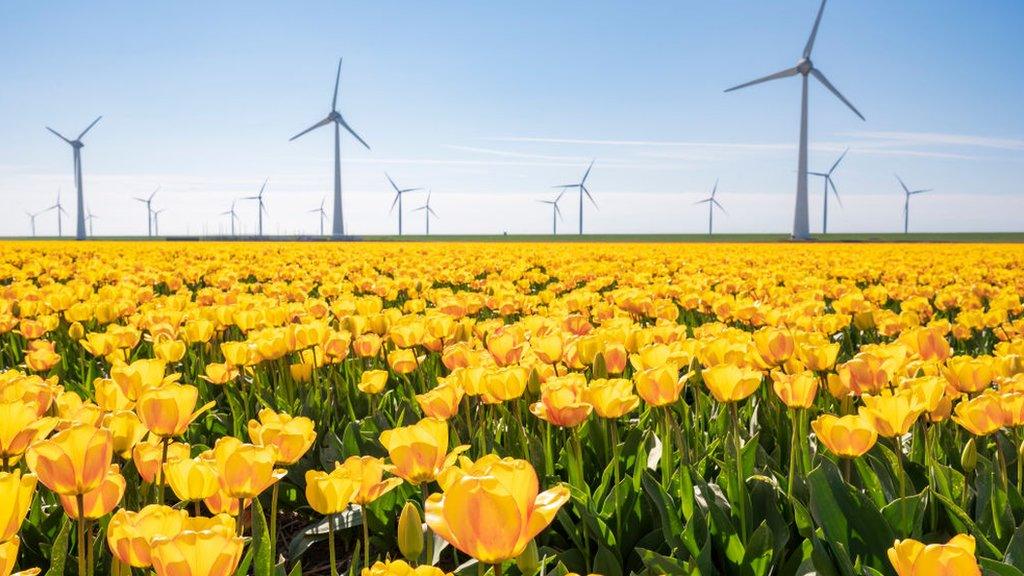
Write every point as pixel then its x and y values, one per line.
pixel 795 390
pixel 213 552
pixel 892 414
pixel 222 504
pixel 291 436
pixel 504 384
pixel 148 455
pixel 373 381
pixel 99 501
pixel 615 357
pixel 401 568
pixel 245 470
pixel 847 436
pixel 982 415
pixel 20 425
pixel 110 396
pixel 441 401
pixel 954 558
pixel 73 461
pixel 493 510
pixel 329 493
pixel 16 492
pixel 130 534
pixel 9 557
pixel 862 374
pixel 169 350
pixel 403 360
pixel 731 383
pixel 611 397
pixel 220 373
pixel 505 346
pixel 168 410
pixel 660 385
pixel 561 401
pixel 41 356
pixel 366 345
pixel 420 451
pixel 138 376
pixel 548 347
pixel 774 345
pixel 927 343
pixel 192 478
pixel 126 430
pixel 969 374
pixel 367 473
pixel 818 356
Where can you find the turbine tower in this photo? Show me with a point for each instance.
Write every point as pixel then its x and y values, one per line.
pixel 427 211
pixel 907 193
pixel 335 118
pixel 712 204
pixel 262 207
pixel 76 147
pixel 234 215
pixel 556 213
pixel 32 220
pixel 804 67
pixel 60 211
pixel 322 213
pixel 827 176
pixel 148 201
pixel 88 220
pixel 156 221
pixel 398 200
pixel 582 187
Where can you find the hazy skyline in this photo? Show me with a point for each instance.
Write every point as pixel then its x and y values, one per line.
pixel 489 106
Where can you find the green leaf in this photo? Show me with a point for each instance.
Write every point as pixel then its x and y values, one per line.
pixel 757 558
pixel 296 570
pixel 59 550
pixel 1015 549
pixel 991 567
pixel 263 556
pixel 659 564
pixel 671 525
pixel 906 514
pixel 966 525
pixel 606 563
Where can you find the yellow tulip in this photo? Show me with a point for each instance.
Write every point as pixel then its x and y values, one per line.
pixel 955 557
pixel 401 568
pixel 168 410
pixel 367 473
pixel 74 461
pixel 329 493
pixel 20 426
pixel 192 478
pixel 731 383
pixel 660 385
pixel 169 350
pixel 969 374
pixel 16 493
pixel 9 557
pixel 41 356
pixel 99 501
pixel 373 381
pixel 148 455
pixel 818 356
pixel 137 377
pixel 795 390
pixel 441 401
pixel 220 373
pixel 292 437
pixel 493 510
pixel 504 384
pixel 126 430
pixel 892 414
pixel 130 534
pixel 213 552
pixel 366 345
pixel 982 415
pixel 403 360
pixel 847 436
pixel 774 346
pixel 561 401
pixel 612 397
pixel 547 347
pixel 420 451
pixel 245 470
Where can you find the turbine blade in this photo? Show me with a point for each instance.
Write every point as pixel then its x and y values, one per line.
pixel 821 78
pixel 560 194
pixel 352 132
pixel 89 127
pixel 420 208
pixel 337 80
pixel 834 166
pixel 431 210
pixel 814 31
pixel 393 185
pixel 920 191
pixel 566 186
pixel 58 135
pixel 900 180
pixel 394 203
pixel 587 192
pixel 704 201
pixel 716 203
pixel 835 192
pixel 715 189
pixel 141 199
pixel 403 191
pixel 323 122
pixel 822 174
pixel 587 173
pixel 154 192
pixel 780 74
pixel 558 211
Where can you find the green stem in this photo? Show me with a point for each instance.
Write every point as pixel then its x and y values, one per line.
pixel 80 502
pixel 330 545
pixel 273 518
pixel 614 431
pixel 366 537
pixel 160 471
pixel 794 446
pixel 741 484
pixel 497 569
pixel 429 536
pixel 241 509
pixel 666 448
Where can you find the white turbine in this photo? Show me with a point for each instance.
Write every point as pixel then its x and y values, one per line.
pixel 262 208
pixel 712 204
pixel 582 187
pixel 427 211
pixel 76 147
pixel 148 201
pixel 322 213
pixel 907 193
pixel 827 176
pixel 399 192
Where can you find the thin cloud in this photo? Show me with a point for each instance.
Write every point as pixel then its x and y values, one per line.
pixel 938 139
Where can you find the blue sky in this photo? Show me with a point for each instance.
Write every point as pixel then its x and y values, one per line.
pixel 490 104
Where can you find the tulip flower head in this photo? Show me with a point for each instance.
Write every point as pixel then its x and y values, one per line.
pixel 420 452
pixel 213 552
pixel 130 535
pixel 292 437
pixel 167 410
pixel 847 436
pixel 913 558
pixel 73 461
pixel 16 493
pixel 731 383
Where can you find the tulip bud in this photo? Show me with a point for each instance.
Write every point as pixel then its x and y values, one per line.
pixel 410 533
pixel 969 457
pixel 76 331
pixel 529 561
pixel 600 367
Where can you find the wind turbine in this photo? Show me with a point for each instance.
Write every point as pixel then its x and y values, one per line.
pixel 427 211
pixel 322 213
pixel 76 147
pixel 32 220
pixel 156 221
pixel 335 118
pixel 60 210
pixel 234 216
pixel 804 67
pixel 829 182
pixel 712 203
pixel 582 186
pixel 88 219
pixel 907 193
pixel 148 201
pixel 262 208
pixel 556 213
pixel 398 200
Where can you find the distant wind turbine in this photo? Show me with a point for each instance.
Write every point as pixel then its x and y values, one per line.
pixel 32 220
pixel 907 193
pixel 322 213
pixel 582 187
pixel 427 211
pixel 804 67
pixel 76 147
pixel 827 176
pixel 88 220
pixel 556 213
pixel 399 192
pixel 335 118
pixel 148 201
pixel 262 208
pixel 712 203
pixel 156 221
pixel 233 215
pixel 60 211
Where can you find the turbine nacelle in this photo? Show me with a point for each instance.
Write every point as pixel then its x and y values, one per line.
pixel 804 66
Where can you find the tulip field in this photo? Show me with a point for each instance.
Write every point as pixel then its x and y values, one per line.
pixel 210 409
